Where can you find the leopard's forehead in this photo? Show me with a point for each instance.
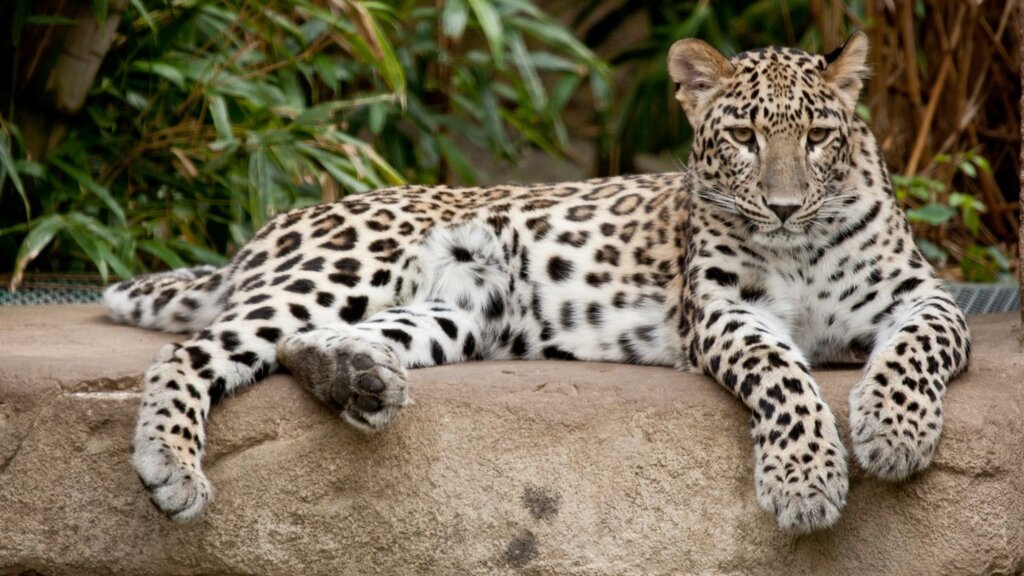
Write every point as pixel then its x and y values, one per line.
pixel 775 56
pixel 778 87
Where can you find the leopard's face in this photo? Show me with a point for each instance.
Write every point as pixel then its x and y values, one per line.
pixel 772 135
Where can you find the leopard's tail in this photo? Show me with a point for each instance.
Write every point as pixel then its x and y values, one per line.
pixel 183 300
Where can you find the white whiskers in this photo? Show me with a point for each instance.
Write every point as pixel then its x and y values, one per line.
pixel 710 193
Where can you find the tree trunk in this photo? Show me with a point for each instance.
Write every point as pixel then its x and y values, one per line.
pixel 55 66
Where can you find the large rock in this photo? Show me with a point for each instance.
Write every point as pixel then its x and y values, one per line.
pixel 498 468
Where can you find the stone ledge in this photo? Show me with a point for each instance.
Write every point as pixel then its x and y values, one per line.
pixel 498 468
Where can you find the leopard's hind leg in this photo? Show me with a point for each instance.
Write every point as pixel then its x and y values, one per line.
pixel 237 349
pixel 463 288
pixel 463 306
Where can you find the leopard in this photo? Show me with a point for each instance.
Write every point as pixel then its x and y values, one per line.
pixel 777 247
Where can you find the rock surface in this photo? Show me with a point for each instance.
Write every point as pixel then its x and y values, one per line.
pixel 498 468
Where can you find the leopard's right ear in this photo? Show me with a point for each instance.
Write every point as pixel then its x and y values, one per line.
pixel 846 68
pixel 698 71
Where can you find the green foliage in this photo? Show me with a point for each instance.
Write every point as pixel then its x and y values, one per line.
pixel 207 117
pixel 939 211
pixel 985 264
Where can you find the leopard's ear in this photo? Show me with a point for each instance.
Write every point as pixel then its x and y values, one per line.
pixel 698 71
pixel 847 67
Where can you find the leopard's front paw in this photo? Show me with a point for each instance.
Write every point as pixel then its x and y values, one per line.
pixel 802 481
pixel 177 488
pixel 895 431
pixel 364 380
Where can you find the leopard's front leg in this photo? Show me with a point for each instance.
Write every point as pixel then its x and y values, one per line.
pixel 800 465
pixel 896 409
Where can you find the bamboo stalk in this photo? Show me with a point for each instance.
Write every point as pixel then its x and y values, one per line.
pixel 910 56
pixel 935 96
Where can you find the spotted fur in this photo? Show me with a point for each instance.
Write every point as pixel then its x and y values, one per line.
pixel 779 248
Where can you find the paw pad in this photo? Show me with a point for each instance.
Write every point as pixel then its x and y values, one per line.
pixel 364 380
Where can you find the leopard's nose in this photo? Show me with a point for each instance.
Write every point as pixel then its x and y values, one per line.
pixel 784 211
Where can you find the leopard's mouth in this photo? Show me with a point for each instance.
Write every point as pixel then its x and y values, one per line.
pixel 781 237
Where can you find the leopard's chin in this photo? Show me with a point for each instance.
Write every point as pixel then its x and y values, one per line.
pixel 780 239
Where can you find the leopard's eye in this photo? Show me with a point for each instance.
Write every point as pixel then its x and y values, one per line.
pixel 817 135
pixel 742 135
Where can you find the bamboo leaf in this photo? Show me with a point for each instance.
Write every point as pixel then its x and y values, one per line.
pixel 379 163
pixel 601 88
pixel 555 63
pixel 525 6
pixel 320 114
pixel 339 168
pixel 161 69
pixel 454 17
pixel 563 92
pixel 260 183
pixel 116 263
pixel 393 72
pixel 199 253
pixel 490 23
pixel 93 226
pixel 30 168
pixel 378 116
pixel 221 121
pixel 531 80
pixel 8 169
pixel 162 252
pixel 41 234
pixel 86 181
pixel 89 244
pixel 551 33
pixel 137 4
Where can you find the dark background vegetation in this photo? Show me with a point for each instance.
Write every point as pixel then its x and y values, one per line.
pixel 207 116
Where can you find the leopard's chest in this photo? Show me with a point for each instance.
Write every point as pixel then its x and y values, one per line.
pixel 810 302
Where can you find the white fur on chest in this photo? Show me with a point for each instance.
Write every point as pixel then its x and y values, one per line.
pixel 810 308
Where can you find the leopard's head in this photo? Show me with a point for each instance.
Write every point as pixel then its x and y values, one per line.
pixel 772 131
